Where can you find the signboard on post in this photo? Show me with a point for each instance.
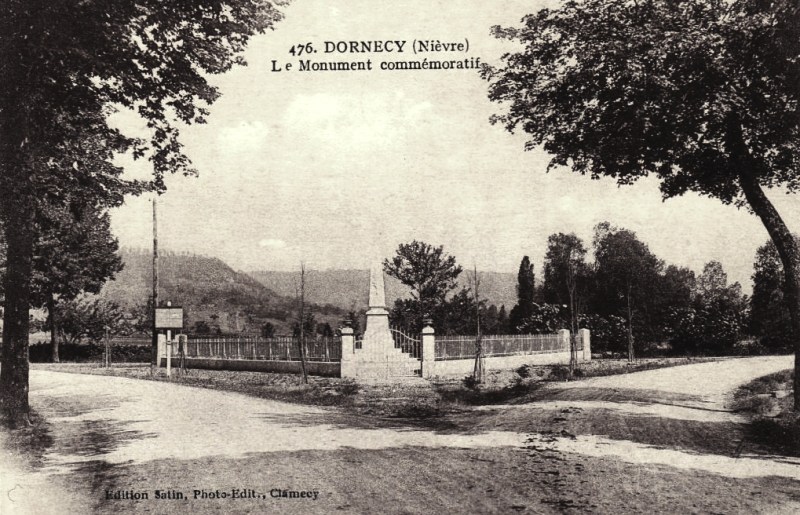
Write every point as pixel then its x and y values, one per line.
pixel 169 318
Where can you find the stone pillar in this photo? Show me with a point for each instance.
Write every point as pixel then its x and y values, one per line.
pixel 584 335
pixel 428 351
pixel 563 337
pixel 162 348
pixel 348 353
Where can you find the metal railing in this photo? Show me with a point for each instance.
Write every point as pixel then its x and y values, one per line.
pixel 406 343
pixel 280 348
pixel 462 347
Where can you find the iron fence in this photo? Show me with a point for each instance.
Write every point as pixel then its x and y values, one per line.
pixel 406 343
pixel 280 348
pixel 462 347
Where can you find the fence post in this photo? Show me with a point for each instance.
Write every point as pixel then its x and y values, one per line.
pixel 347 365
pixel 563 338
pixel 428 350
pixel 183 348
pixel 585 337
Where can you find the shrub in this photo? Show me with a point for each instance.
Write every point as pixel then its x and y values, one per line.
pixel 347 387
pixel 524 371
pixel 470 382
pixel 88 352
pixel 559 373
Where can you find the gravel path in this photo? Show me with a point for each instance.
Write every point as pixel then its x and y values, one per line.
pixel 709 384
pixel 113 434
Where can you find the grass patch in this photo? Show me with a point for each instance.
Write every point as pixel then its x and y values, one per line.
pixel 320 391
pixel 609 367
pixel 416 401
pixel 774 424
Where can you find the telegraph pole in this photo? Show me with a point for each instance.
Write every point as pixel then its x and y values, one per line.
pixel 154 348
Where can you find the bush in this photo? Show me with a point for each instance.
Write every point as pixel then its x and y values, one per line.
pixel 347 387
pixel 559 373
pixel 524 371
pixel 470 382
pixel 88 352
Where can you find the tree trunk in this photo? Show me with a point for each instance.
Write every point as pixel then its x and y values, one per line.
pixel 478 372
pixel 303 322
pixel 790 257
pixel 781 236
pixel 154 358
pixel 631 355
pixel 18 215
pixel 51 312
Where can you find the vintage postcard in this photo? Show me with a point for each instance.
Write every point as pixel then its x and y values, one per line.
pixel 437 257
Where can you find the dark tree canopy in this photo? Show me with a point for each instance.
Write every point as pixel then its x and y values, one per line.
pixel 625 271
pixel 565 252
pixel 702 94
pixel 769 312
pixel 64 68
pixel 526 293
pixel 427 270
pixel 624 89
pixel 74 252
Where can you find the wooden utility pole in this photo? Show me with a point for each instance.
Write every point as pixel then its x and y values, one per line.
pixel 154 348
pixel 478 372
pixel 303 321
pixel 573 315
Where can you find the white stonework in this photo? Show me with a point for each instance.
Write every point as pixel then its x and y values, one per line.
pixel 378 358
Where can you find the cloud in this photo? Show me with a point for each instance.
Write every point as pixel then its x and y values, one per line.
pixel 270 243
pixel 244 137
pixel 375 119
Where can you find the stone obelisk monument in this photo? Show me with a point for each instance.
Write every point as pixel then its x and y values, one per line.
pixel 377 337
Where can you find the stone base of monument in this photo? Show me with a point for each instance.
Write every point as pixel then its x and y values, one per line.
pixel 376 370
pixel 378 358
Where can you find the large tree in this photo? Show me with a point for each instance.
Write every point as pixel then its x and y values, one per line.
pixel 526 294
pixel 428 271
pixel 626 272
pixel 565 256
pixel 770 319
pixel 565 278
pixel 703 94
pixel 64 68
pixel 74 252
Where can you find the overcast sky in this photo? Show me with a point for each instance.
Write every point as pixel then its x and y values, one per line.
pixel 336 168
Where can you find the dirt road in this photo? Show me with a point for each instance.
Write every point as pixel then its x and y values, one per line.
pixel 658 441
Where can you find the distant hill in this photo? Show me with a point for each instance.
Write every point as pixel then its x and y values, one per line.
pixel 349 289
pixel 209 290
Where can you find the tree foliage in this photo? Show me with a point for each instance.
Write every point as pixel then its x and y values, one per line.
pixel 428 271
pixel 526 293
pixel 65 67
pixel 701 94
pixel 769 316
pixel 716 318
pixel 625 270
pixel 88 317
pixel 74 253
pixel 565 253
pixel 625 89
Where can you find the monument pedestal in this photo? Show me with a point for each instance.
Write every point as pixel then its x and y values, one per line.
pixel 378 358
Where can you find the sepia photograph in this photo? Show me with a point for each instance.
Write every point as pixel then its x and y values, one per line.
pixel 411 257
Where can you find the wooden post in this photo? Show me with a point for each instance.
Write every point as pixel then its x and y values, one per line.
pixel 183 343
pixel 155 356
pixel 169 352
pixel 108 349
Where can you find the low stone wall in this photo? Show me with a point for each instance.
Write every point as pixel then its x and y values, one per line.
pixel 465 366
pixel 317 368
